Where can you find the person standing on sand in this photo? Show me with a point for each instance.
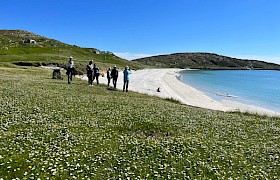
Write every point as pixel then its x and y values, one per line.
pixel 96 73
pixel 126 77
pixel 114 75
pixel 109 76
pixel 90 72
pixel 70 69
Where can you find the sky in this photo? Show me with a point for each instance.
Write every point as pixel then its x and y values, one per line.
pixel 132 29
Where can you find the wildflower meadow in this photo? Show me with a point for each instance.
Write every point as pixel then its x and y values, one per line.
pixel 52 130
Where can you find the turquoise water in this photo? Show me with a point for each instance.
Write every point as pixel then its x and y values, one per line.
pixel 259 88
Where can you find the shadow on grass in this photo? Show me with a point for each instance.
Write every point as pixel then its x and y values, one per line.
pixel 173 100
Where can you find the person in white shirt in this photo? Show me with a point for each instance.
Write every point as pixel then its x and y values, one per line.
pixel 70 69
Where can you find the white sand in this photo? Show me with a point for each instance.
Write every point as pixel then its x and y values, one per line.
pixel 148 80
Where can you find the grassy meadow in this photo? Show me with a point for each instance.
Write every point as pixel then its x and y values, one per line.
pixel 52 130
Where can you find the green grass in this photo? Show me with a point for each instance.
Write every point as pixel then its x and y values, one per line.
pixel 49 129
pixel 50 51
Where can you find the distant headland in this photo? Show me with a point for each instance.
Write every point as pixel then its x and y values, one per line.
pixel 201 60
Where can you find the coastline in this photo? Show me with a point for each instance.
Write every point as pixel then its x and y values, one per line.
pixel 147 81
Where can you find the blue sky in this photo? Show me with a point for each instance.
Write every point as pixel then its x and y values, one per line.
pixel 137 28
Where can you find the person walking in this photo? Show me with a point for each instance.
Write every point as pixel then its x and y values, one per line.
pixel 70 69
pixel 96 73
pixel 109 76
pixel 114 75
pixel 126 77
pixel 90 72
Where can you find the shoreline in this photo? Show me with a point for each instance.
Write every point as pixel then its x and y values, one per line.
pixel 147 81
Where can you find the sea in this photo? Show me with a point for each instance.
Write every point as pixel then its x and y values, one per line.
pixel 254 87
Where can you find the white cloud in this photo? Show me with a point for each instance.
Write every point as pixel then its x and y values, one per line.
pixel 131 56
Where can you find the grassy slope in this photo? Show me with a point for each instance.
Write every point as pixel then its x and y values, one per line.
pixel 51 129
pixel 50 51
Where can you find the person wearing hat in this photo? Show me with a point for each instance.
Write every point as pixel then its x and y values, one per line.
pixel 70 69
pixel 90 72
pixel 126 77
pixel 114 75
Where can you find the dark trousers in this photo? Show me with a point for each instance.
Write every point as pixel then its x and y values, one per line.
pixel 97 77
pixel 125 85
pixel 70 75
pixel 90 78
pixel 109 80
pixel 115 82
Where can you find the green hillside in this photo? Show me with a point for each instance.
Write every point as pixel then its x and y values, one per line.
pixel 17 47
pixel 205 61
pixel 26 48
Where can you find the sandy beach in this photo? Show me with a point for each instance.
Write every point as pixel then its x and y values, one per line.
pixel 147 81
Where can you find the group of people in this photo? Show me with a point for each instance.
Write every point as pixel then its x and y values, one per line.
pixel 93 73
pixel 114 73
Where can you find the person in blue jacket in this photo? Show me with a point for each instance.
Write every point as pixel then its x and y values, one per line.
pixel 126 77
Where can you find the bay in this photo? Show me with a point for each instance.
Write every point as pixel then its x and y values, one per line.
pixel 255 87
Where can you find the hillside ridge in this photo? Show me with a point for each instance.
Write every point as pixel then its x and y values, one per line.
pixel 24 48
pixel 204 60
pixel 20 46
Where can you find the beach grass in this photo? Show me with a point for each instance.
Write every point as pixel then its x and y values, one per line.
pixel 52 130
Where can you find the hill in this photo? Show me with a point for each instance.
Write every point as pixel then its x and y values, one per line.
pixel 205 61
pixel 26 48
